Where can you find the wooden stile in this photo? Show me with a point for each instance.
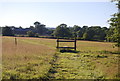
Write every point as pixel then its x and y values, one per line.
pixel 58 41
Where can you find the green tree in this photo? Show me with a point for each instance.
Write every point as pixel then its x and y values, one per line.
pixel 115 26
pixel 7 31
pixel 85 36
pixel 90 33
pixel 31 27
pixel 62 31
pixel 95 33
pixel 76 30
pixel 31 34
pixel 36 35
pixel 40 28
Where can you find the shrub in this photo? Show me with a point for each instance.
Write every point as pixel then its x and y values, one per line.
pixel 31 34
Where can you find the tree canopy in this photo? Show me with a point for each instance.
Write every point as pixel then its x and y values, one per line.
pixel 7 31
pixel 62 31
pixel 114 31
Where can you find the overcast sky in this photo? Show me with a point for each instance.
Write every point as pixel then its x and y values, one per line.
pixel 25 13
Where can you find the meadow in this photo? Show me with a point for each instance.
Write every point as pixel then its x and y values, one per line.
pixel 38 58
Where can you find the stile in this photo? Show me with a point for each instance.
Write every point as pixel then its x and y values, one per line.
pixel 58 41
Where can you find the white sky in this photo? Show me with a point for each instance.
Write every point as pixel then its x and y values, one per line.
pixel 55 0
pixel 24 13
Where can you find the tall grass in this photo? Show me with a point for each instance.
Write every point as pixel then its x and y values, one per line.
pixel 27 60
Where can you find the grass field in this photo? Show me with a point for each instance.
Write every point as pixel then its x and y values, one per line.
pixel 38 58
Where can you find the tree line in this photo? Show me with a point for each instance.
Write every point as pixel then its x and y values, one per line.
pixel 33 31
pixel 96 33
pixel 86 33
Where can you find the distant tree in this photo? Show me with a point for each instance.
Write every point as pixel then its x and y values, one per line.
pixel 90 33
pixel 36 35
pixel 20 27
pixel 103 33
pixel 7 31
pixel 0 31
pixel 37 23
pixel 76 30
pixel 85 36
pixel 31 34
pixel 31 27
pixel 98 33
pixel 50 32
pixel 94 33
pixel 85 28
pixel 80 33
pixel 40 28
pixel 62 31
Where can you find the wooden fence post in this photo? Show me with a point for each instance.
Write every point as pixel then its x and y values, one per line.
pixel 15 41
pixel 75 43
pixel 57 42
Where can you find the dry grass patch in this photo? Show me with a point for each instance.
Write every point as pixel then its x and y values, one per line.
pixel 25 60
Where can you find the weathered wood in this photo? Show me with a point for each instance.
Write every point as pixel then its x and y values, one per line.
pixel 15 41
pixel 67 47
pixel 66 41
pixel 75 44
pixel 57 43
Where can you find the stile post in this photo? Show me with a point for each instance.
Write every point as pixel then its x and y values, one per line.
pixel 57 43
pixel 75 43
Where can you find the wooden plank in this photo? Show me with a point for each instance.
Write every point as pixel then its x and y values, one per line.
pixel 67 47
pixel 65 40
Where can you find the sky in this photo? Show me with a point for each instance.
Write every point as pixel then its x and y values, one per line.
pixel 52 13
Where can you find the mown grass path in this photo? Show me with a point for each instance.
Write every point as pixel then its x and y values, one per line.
pixel 85 66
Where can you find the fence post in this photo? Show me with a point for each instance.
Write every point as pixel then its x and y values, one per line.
pixel 57 42
pixel 75 43
pixel 15 41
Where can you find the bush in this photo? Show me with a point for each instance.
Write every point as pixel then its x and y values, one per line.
pixel 30 34
pixel 36 35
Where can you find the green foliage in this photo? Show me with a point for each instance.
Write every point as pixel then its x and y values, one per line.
pixel 40 28
pixel 62 31
pixel 7 31
pixel 36 35
pixel 95 33
pixel 30 34
pixel 76 30
pixel 85 36
pixel 114 32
